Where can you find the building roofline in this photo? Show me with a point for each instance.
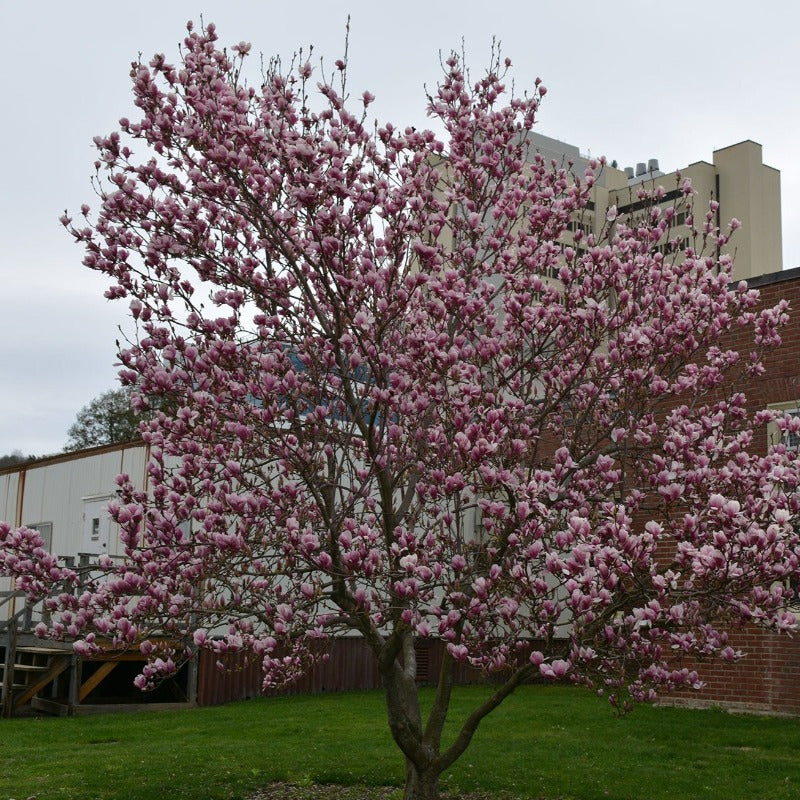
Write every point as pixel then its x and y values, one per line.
pixel 73 455
pixel 701 162
pixel 748 141
pixel 736 144
pixel 774 277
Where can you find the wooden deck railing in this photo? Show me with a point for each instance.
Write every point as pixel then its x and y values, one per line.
pixel 20 621
pixel 33 612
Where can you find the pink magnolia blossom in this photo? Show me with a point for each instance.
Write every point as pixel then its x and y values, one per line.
pixel 400 408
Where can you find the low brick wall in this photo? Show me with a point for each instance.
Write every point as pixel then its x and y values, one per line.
pixel 766 680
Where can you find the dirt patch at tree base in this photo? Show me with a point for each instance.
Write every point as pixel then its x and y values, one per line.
pixel 328 791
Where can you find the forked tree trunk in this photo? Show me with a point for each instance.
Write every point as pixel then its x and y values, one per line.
pixel 425 763
pixel 421 785
pixel 405 723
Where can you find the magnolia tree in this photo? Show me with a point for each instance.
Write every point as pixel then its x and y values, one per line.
pixel 403 408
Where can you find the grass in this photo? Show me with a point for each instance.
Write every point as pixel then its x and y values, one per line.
pixel 544 742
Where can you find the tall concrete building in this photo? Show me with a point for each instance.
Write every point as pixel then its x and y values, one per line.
pixel 736 178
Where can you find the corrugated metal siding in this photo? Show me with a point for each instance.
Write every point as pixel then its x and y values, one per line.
pixel 9 487
pixel 240 679
pixel 350 666
pixel 429 663
pixel 53 490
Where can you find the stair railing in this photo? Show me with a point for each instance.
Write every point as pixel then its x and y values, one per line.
pixel 7 687
pixel 33 612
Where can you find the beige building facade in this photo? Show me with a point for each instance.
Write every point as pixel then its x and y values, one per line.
pixel 736 178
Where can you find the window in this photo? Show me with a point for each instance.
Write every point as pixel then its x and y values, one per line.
pixel 792 438
pixel 789 438
pixel 45 530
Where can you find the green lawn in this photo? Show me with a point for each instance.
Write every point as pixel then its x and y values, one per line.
pixel 544 742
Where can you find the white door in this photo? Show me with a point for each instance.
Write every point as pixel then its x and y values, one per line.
pixel 96 526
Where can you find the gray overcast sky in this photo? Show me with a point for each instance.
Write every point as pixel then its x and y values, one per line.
pixel 631 80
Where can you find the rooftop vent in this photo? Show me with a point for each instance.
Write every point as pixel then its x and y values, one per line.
pixel 641 169
pixel 652 165
pixel 628 172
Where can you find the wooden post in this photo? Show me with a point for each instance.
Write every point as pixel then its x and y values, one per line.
pixel 94 680
pixel 27 617
pixel 191 678
pixel 193 668
pixel 74 683
pixel 8 671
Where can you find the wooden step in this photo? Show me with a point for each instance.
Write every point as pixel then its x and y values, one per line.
pixel 56 668
pixel 30 641
pixel 31 667
pixel 53 707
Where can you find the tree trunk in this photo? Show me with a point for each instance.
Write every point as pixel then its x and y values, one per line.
pixel 405 722
pixel 421 785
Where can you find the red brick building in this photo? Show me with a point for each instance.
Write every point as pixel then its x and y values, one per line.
pixel 768 678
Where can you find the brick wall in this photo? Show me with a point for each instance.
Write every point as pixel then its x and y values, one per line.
pixel 781 382
pixel 768 678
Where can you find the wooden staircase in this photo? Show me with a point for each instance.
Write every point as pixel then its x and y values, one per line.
pixel 27 671
pixel 28 665
pixel 48 676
